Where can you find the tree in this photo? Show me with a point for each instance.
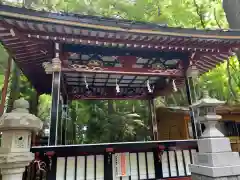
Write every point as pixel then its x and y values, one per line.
pixel 232 11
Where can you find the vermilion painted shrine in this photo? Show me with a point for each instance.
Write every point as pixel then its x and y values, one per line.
pixel 85 57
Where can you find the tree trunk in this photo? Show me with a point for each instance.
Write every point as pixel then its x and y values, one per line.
pixel 232 11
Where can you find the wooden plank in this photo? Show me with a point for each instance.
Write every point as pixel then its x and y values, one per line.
pixel 193 153
pixel 165 169
pixel 99 167
pixel 173 166
pixel 80 168
pixel 151 167
pixel 70 174
pixel 114 177
pixel 180 163
pixel 142 166
pixel 134 166
pixel 90 167
pixel 187 161
pixel 60 172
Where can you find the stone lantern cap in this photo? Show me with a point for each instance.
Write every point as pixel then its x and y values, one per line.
pixel 20 118
pixel 207 101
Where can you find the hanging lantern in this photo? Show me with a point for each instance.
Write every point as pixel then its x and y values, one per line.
pixel 193 71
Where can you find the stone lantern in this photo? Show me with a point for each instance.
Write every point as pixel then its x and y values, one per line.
pixel 215 159
pixel 16 128
pixel 206 113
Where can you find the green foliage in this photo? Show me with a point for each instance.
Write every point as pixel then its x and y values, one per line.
pixel 217 81
pixel 110 126
pixel 107 121
pixel 3 65
pixel 44 107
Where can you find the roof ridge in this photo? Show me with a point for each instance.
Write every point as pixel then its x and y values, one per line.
pixel 113 19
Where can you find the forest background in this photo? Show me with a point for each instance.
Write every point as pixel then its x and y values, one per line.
pixel 111 121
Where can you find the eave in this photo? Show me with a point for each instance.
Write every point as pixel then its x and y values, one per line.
pixel 30 35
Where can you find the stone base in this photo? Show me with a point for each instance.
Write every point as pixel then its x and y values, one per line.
pixel 215 171
pixel 12 173
pixel 221 159
pixel 12 176
pixel 214 145
pixel 215 159
pixel 13 165
pixel 15 160
pixel 202 177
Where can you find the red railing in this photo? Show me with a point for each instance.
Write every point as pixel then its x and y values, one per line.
pixel 44 167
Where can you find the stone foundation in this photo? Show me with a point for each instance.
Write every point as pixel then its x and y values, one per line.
pixel 202 177
pixel 215 159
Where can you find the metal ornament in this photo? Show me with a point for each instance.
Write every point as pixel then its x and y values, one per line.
pixel 95 63
pixel 193 71
pixel 47 67
pixel 56 64
pixel 12 33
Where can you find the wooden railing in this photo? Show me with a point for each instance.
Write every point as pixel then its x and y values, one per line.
pixel 146 160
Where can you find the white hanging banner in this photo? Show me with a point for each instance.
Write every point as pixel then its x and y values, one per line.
pixel 122 167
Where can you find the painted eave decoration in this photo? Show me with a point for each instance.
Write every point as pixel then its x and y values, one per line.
pixel 109 55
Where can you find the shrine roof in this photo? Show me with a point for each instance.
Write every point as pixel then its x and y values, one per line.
pixel 30 36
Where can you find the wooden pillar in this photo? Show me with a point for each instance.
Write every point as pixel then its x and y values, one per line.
pixel 5 85
pixel 153 119
pixel 60 120
pixel 54 108
pixel 189 98
pixel 56 83
pixel 190 71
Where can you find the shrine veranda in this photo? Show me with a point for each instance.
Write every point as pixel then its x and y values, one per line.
pixel 76 57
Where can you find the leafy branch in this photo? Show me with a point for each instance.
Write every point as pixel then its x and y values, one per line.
pixel 230 81
pixel 215 17
pixel 199 13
